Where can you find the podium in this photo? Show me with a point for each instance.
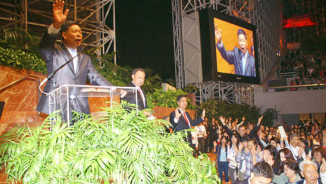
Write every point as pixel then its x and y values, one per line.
pixel 69 98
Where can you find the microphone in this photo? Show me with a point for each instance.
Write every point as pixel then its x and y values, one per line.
pixel 79 49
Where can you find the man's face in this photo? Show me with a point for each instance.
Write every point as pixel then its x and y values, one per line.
pixel 242 43
pixel 259 179
pixel 310 173
pixel 206 120
pixel 138 78
pixel 183 103
pixel 242 131
pixel 73 36
pixel 294 141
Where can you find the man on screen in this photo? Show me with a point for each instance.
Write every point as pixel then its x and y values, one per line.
pixel 244 63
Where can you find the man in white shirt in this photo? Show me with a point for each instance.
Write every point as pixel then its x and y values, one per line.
pixel 201 135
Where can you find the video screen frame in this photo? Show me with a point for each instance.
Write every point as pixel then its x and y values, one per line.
pixel 210 53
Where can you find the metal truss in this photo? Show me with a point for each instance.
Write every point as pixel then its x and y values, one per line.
pixel 264 14
pixel 316 8
pixel 226 91
pixel 35 15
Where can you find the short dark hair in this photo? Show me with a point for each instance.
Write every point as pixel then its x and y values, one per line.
pixel 263 169
pixel 293 165
pixel 277 140
pixel 272 150
pixel 65 26
pixel 136 70
pixel 253 140
pixel 241 31
pixel 180 96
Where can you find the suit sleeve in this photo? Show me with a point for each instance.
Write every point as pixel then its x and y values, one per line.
pixel 229 56
pixel 172 116
pixel 227 130
pixel 95 77
pixel 253 132
pixel 194 122
pixel 47 46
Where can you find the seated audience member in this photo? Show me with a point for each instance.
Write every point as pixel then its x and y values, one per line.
pixel 309 172
pixel 261 173
pixel 290 175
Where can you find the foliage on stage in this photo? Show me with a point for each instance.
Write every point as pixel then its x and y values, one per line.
pixel 166 99
pixel 18 49
pixel 117 147
pixel 19 59
pixel 214 109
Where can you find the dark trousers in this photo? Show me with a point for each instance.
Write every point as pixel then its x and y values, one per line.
pixel 201 145
pixel 212 139
pixel 223 167
pixel 206 145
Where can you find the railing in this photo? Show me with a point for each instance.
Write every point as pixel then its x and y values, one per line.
pixel 298 87
pixel 21 79
pixel 286 75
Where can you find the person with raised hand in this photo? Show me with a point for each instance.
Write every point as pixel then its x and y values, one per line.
pixel 76 72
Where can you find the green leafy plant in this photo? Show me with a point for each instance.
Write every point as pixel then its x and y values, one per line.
pixel 117 147
pixel 166 99
pixel 19 59
pixel 215 108
pixel 269 117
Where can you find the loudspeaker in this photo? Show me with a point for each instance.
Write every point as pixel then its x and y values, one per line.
pixel 2 105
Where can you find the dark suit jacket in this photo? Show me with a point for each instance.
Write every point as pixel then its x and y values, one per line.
pixel 234 57
pixel 57 54
pixel 131 98
pixel 182 123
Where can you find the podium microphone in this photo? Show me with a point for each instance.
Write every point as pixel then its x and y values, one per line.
pixel 80 49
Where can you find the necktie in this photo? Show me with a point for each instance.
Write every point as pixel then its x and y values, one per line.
pixel 243 60
pixel 142 97
pixel 184 115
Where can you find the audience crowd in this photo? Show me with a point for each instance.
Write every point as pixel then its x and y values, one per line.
pixel 296 155
pixel 309 67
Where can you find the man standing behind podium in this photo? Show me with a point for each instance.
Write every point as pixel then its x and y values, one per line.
pixel 55 55
pixel 138 79
pixel 181 120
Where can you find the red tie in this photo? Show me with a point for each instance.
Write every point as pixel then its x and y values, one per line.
pixel 184 115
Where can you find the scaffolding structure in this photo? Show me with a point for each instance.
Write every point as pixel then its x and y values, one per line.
pixel 36 15
pixel 266 15
pixel 314 8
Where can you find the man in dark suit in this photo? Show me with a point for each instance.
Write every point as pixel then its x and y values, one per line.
pixel 244 63
pixel 181 120
pixel 138 79
pixel 55 55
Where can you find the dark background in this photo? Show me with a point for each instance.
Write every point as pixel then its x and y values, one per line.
pixel 144 34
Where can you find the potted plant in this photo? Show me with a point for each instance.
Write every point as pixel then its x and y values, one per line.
pixel 119 147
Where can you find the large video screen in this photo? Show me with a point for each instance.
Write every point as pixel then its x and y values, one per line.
pixel 228 48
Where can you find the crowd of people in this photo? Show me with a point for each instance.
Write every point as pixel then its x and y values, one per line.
pixel 309 67
pixel 296 156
